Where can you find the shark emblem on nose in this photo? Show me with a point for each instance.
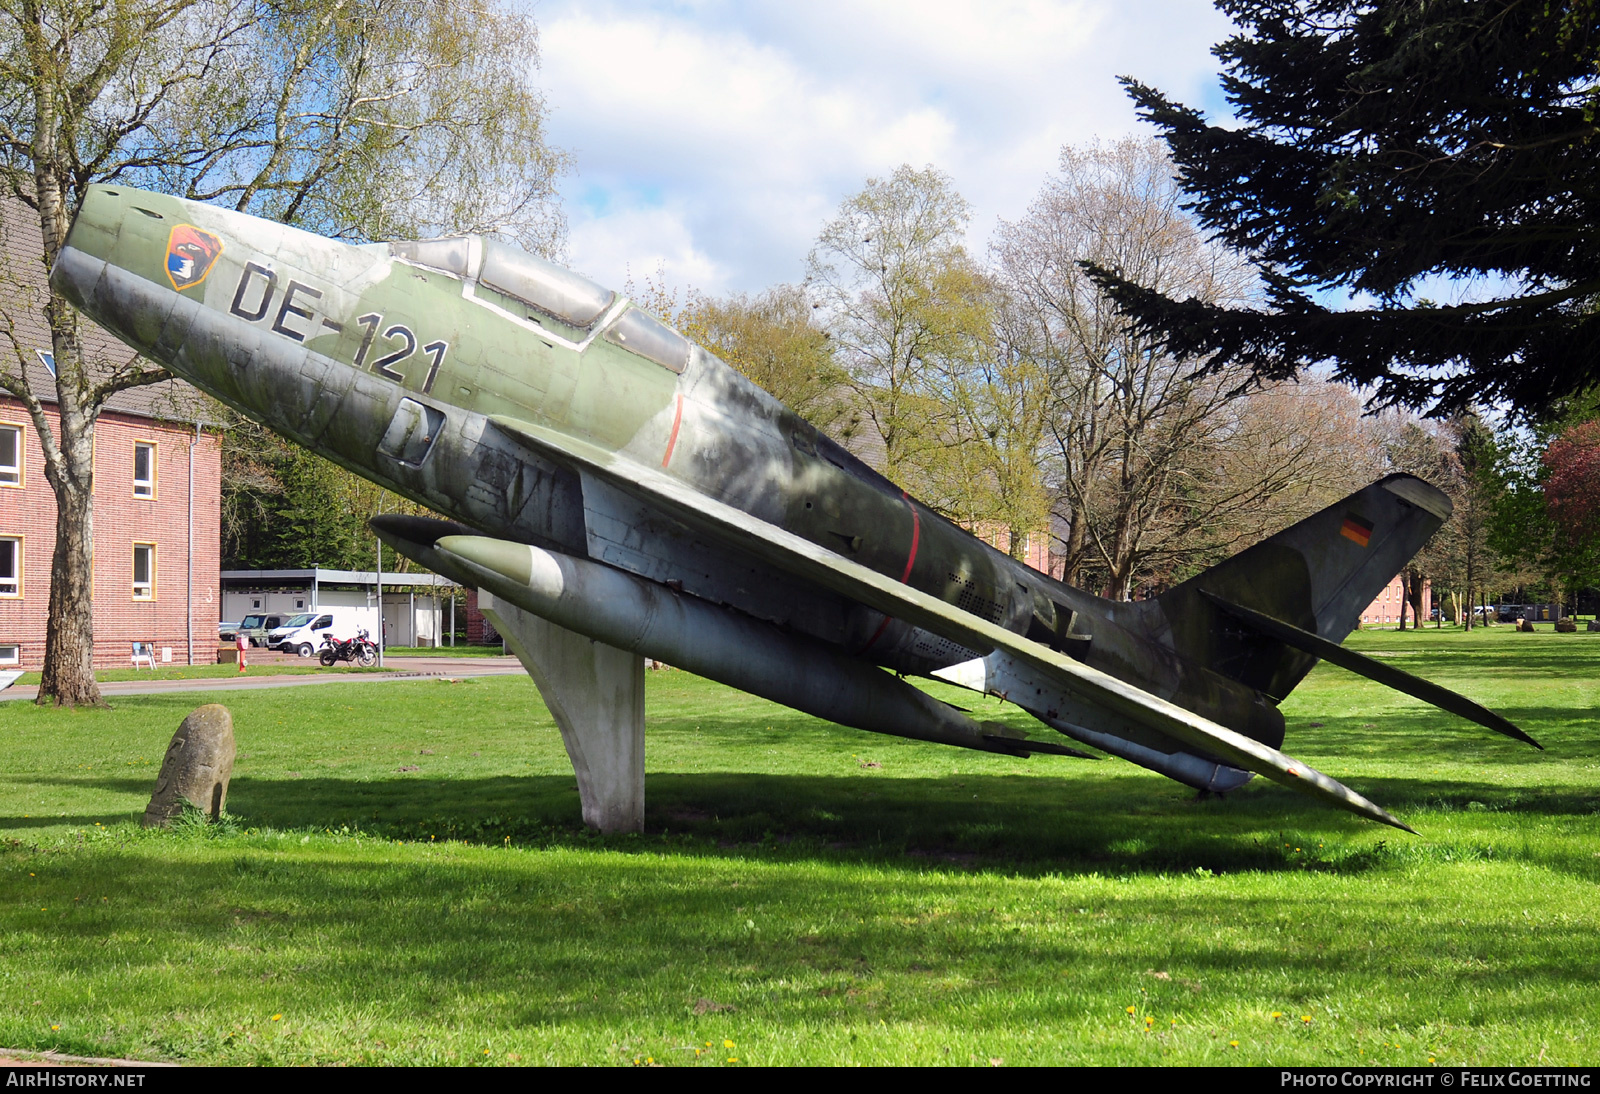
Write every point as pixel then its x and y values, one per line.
pixel 191 252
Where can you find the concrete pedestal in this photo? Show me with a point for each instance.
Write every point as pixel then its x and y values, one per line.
pixel 596 694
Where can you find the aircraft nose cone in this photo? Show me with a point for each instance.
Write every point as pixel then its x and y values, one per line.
pixel 93 233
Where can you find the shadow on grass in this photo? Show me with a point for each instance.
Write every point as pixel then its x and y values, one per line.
pixel 1120 824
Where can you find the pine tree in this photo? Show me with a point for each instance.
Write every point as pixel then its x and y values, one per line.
pixel 1386 146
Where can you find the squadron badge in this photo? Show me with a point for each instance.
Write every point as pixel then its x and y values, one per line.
pixel 191 253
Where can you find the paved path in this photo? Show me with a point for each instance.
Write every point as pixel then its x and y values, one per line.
pixel 402 668
pixel 14 1057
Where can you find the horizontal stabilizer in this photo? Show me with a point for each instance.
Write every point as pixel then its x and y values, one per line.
pixel 1372 669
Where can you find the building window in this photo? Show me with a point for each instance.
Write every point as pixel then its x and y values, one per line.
pixel 10 654
pixel 10 454
pixel 10 565
pixel 48 360
pixel 144 469
pixel 144 571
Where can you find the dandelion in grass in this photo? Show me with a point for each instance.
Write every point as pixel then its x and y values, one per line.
pixel 727 1044
pixel 277 1017
pixel 1233 1044
pixel 1132 1010
pixel 55 1027
pixel 1306 1018
pixel 1277 1014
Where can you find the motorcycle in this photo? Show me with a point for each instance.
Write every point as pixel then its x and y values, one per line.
pixel 360 649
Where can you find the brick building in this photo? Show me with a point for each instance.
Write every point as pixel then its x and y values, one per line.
pixel 157 497
pixel 1385 607
pixel 1035 546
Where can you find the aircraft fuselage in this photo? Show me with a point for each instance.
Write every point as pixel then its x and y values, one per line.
pixel 394 360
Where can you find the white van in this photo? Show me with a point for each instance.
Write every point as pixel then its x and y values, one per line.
pixel 302 634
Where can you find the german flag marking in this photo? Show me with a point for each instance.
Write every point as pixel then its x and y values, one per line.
pixel 1357 529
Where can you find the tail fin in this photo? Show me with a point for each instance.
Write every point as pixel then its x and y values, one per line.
pixel 1317 575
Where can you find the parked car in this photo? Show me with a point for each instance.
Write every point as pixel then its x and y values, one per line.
pixel 257 627
pixel 302 634
pixel 226 633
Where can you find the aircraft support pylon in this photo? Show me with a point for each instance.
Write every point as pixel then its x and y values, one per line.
pixel 596 694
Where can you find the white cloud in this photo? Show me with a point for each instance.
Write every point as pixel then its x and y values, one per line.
pixel 637 242
pixel 716 137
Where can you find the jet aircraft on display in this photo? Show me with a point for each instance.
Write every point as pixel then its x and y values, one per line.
pixel 616 492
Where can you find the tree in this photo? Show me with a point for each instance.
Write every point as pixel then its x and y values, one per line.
pixel 907 308
pixel 1572 483
pixel 286 508
pixel 1410 446
pixel 772 339
pixel 1002 401
pixel 1151 468
pixel 1386 145
pixel 1476 560
pixel 358 118
pixel 1543 485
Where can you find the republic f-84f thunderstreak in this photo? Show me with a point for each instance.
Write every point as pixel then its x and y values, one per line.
pixel 616 492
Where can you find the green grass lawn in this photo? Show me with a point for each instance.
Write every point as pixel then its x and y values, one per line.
pixel 407 881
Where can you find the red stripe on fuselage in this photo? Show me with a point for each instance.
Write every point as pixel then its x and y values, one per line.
pixel 672 441
pixel 911 558
pixel 916 537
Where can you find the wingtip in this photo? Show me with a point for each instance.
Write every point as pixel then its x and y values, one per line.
pixel 1373 811
pixel 1501 725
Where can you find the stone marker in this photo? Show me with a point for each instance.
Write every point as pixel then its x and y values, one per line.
pixel 197 767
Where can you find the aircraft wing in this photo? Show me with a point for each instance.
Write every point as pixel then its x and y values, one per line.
pixel 796 555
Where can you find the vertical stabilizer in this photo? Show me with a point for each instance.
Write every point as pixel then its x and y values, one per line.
pixel 1317 575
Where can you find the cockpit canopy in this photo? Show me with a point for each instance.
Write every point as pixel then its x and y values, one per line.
pixel 558 292
pixel 554 290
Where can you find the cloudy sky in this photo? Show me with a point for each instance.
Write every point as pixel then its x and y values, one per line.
pixel 713 138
